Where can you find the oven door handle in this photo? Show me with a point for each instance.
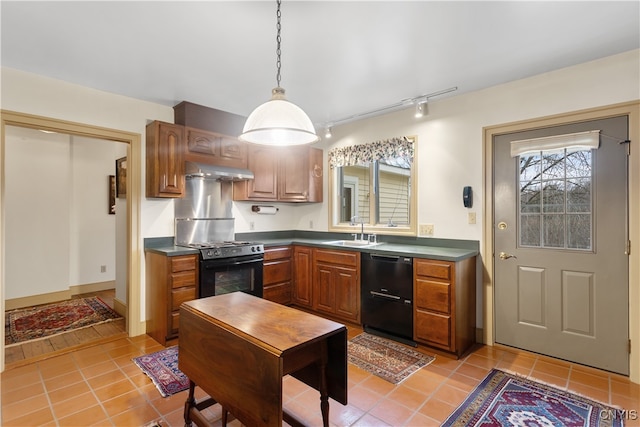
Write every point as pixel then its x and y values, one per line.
pixel 221 263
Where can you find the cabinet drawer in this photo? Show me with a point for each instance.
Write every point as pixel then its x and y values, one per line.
pixel 277 271
pixel 178 296
pixel 433 296
pixel 280 293
pixel 433 329
pixel 277 253
pixel 337 257
pixel 183 263
pixel 175 321
pixel 437 269
pixel 182 279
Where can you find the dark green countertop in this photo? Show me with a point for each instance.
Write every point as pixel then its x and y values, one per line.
pixel 442 249
pixel 408 250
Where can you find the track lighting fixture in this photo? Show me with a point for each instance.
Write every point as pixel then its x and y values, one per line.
pixel 420 103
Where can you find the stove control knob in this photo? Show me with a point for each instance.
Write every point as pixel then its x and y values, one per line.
pixel 253 248
pixel 216 252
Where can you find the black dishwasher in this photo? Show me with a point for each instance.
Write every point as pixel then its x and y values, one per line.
pixel 387 296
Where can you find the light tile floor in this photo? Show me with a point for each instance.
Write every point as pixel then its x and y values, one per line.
pixel 101 386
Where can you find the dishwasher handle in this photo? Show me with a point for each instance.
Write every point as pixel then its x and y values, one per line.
pixel 390 258
pixel 380 294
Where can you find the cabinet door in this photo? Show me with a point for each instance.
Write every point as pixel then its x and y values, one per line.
pixel 293 174
pixel 202 142
pixel 263 162
pixel 215 149
pixel 165 160
pixel 324 288
pixel 302 289
pixel 347 293
pixel 233 152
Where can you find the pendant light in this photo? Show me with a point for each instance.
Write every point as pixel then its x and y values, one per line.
pixel 278 122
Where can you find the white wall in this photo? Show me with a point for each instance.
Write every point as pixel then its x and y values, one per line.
pixel 59 231
pixel 37 209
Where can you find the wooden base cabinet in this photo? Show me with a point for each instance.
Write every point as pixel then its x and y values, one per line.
pixel 336 284
pixel 170 281
pixel 302 276
pixel 277 274
pixel 445 304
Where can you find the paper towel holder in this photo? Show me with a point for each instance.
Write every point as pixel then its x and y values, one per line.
pixel 269 210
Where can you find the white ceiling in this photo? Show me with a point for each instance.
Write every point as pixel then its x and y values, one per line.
pixel 338 58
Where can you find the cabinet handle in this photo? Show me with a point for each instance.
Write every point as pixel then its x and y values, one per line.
pixel 317 171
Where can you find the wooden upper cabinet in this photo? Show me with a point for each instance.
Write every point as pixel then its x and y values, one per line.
pixel 286 174
pixel 215 149
pixel 263 162
pixel 165 160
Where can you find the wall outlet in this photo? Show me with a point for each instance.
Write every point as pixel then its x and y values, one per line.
pixel 472 217
pixel 311 224
pixel 252 225
pixel 426 230
pixel 103 269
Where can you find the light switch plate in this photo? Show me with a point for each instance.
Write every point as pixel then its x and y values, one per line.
pixel 425 229
pixel 472 217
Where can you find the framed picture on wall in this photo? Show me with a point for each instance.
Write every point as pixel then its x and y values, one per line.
pixel 121 178
pixel 112 194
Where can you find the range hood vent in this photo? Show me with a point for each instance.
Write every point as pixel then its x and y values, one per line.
pixel 218 173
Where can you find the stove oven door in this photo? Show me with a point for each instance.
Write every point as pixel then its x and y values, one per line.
pixel 223 276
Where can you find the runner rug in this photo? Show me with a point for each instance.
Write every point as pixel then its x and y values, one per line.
pixel 162 368
pixel 504 399
pixel 384 358
pixel 45 321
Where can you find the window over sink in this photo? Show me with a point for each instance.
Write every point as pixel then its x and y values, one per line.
pixel 372 186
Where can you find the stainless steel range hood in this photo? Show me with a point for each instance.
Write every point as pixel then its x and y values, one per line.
pixel 218 173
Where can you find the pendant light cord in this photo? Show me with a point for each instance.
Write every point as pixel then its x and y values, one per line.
pixel 278 40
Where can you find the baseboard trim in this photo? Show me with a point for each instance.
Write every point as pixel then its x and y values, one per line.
pixel 120 307
pixel 92 287
pixel 31 300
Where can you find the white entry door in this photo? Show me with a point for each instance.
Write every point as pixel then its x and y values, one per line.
pixel 560 246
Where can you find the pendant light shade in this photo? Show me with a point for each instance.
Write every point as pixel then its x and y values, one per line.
pixel 278 122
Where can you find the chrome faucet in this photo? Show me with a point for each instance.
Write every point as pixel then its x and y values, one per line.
pixel 353 223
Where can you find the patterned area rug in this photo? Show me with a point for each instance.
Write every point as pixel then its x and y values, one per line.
pixel 503 399
pixel 162 368
pixel 384 358
pixel 45 321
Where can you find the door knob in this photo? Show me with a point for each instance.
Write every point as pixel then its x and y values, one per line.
pixel 504 255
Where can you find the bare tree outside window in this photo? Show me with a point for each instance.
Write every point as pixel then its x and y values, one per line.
pixel 556 200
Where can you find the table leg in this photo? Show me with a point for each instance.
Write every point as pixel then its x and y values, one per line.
pixel 190 403
pixel 324 393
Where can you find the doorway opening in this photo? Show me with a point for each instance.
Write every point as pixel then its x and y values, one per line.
pixel 131 265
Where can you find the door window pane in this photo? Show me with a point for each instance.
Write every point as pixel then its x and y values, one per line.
pixel 556 200
pixel 530 230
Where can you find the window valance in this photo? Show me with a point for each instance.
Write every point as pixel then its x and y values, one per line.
pixel 589 140
pixel 400 147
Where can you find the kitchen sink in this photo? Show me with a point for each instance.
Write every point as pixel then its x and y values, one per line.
pixel 352 243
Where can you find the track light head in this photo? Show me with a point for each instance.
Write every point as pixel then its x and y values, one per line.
pixel 421 109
